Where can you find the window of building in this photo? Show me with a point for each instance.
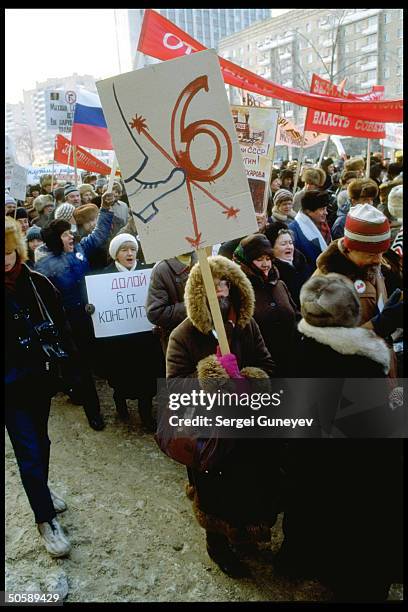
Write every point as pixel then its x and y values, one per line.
pixel 386 56
pixel 387 17
pixel 358 26
pixel 386 73
pixel 370 75
pixel 386 37
pixel 309 58
pixel 400 33
pixel 399 51
pixel 371 39
pixel 372 21
pixel 398 70
pixel 398 88
pixel 249 47
pixel 308 27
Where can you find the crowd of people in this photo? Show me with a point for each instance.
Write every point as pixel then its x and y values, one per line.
pixel 316 292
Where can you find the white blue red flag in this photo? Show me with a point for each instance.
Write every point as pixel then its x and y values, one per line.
pixel 89 127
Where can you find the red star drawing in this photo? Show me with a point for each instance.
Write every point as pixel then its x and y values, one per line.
pixel 231 212
pixel 138 123
pixel 195 242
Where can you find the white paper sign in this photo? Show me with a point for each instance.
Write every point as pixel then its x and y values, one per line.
pixel 178 152
pixel 119 299
pixel 61 173
pixel 59 110
pixel 18 183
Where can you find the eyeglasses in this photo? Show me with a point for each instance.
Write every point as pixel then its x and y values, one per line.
pixel 222 284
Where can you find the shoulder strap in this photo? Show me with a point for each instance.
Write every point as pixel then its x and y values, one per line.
pixel 41 305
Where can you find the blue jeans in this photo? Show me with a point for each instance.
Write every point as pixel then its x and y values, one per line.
pixel 26 423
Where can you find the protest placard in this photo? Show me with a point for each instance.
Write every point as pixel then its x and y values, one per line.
pixel 18 183
pixel 394 136
pixel 119 299
pixel 60 173
pixel 330 123
pixel 179 155
pixel 59 110
pixel 256 129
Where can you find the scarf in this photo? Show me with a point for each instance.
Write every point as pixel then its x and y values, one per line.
pixel 12 276
pixel 121 268
pixel 310 230
pixel 278 215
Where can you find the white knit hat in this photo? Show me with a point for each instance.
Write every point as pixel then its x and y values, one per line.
pixel 64 211
pixel 395 201
pixel 117 242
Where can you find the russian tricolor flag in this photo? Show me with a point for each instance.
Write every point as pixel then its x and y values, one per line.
pixel 89 127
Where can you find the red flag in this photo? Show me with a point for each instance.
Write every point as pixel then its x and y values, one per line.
pixel 85 161
pixel 330 123
pixel 163 40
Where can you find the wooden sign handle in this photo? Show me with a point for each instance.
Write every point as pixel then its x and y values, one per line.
pixel 213 301
pixel 112 174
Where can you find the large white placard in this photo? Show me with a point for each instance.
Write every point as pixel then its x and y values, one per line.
pixel 178 152
pixel 59 110
pixel 119 299
pixel 18 183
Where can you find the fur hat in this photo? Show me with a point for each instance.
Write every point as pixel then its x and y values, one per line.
pixel 330 300
pixel 14 239
pixel 274 174
pixel 86 213
pixel 42 201
pixel 314 199
pixel 46 179
pixel 366 229
pixel 362 188
pixel 355 164
pixel 314 176
pixel 64 211
pixel 395 202
pixel 281 196
pixel 348 175
pixel 34 233
pixel 273 230
pixel 287 173
pixel 252 247
pixel 118 241
pixel 87 187
pixel 51 234
pixel 69 188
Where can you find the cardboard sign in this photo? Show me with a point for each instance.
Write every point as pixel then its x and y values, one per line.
pixel 59 110
pixel 179 155
pixel 394 136
pixel 329 123
pixel 256 129
pixel 18 183
pixel 119 299
pixel 290 135
pixel 61 173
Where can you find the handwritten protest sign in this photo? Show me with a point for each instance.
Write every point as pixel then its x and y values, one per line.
pixel 178 151
pixel 18 183
pixel 119 299
pixel 59 110
pixel 256 129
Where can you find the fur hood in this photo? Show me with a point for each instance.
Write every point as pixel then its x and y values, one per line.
pixel 41 252
pixel 195 297
pixel 350 341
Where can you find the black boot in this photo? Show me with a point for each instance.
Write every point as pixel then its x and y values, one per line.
pixel 121 406
pixel 96 422
pixel 220 551
pixel 145 411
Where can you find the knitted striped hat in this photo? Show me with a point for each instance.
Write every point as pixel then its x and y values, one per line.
pixel 64 211
pixel 367 229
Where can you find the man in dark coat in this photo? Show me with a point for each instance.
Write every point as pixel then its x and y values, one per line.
pixel 232 500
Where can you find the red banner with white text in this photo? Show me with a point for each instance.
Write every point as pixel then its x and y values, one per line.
pixel 85 161
pixel 330 123
pixel 162 39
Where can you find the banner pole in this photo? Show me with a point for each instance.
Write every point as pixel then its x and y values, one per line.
pixel 112 174
pixel 322 154
pixel 213 301
pixel 75 166
pixel 368 158
pixel 300 160
pixel 53 162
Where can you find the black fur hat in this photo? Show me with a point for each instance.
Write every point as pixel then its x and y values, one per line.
pixel 51 234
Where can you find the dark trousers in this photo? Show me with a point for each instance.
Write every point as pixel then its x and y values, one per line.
pixel 26 423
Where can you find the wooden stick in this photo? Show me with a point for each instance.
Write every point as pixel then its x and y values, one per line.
pixel 368 158
pixel 53 162
pixel 322 154
pixel 112 174
pixel 75 165
pixel 213 301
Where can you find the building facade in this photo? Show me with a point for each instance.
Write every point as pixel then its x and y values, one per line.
pixel 362 45
pixel 208 26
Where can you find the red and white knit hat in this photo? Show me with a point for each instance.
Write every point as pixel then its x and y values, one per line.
pixel 367 229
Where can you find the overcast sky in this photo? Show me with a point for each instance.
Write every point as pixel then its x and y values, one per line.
pixel 46 43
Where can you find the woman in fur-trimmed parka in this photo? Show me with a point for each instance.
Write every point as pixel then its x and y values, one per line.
pixel 343 487
pixel 236 500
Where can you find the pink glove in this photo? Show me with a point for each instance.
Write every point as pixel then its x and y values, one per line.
pixel 229 363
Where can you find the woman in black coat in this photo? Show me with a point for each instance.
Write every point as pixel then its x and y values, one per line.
pixel 30 381
pixel 134 362
pixel 289 261
pixel 275 311
pixel 342 490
